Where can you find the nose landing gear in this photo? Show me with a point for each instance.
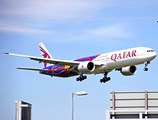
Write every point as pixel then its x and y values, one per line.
pixel 146 64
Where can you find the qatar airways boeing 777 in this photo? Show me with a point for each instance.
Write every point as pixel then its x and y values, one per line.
pixel 124 61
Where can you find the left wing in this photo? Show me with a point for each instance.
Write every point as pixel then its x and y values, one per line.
pixel 34 69
pixel 52 61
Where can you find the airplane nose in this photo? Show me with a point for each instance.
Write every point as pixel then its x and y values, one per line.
pixel 155 54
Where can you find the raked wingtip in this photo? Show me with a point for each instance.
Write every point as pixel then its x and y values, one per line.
pixel 5 52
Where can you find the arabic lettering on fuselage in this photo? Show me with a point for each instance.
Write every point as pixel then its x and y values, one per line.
pixel 123 55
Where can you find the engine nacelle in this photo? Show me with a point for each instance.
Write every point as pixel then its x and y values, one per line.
pixel 85 67
pixel 130 70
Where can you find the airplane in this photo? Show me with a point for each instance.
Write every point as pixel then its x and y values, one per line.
pixel 124 61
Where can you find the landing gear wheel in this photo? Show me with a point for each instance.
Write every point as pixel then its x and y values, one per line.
pixel 85 77
pixel 108 78
pixel 105 79
pixel 81 77
pixel 77 79
pixel 145 69
pixel 146 64
pixel 101 80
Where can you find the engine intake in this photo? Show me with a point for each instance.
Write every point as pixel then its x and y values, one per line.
pixel 130 70
pixel 85 67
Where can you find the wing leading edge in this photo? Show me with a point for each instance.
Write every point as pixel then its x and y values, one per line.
pixel 52 61
pixel 34 69
pixel 73 64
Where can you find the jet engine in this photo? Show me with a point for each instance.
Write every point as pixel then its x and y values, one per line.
pixel 85 67
pixel 130 70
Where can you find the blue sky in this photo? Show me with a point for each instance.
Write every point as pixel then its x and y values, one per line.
pixel 72 29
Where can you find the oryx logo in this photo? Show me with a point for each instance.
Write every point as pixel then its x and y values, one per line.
pixel 45 55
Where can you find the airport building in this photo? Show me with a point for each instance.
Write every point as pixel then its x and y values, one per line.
pixel 133 106
pixel 23 110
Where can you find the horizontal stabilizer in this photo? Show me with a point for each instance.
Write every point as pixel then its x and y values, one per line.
pixel 45 70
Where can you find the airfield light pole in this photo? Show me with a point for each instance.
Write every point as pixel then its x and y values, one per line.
pixel 78 94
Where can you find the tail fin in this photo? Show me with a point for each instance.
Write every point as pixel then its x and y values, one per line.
pixel 45 53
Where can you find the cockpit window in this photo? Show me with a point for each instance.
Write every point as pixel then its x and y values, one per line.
pixel 150 50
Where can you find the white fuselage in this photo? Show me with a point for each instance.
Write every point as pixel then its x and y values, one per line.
pixel 123 58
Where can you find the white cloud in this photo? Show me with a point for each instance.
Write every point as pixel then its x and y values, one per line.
pixel 25 16
pixel 28 16
pixel 117 30
pixel 10 28
pixel 52 9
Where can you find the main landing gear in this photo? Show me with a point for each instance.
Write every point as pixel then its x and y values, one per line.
pixel 146 64
pixel 81 77
pixel 105 78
